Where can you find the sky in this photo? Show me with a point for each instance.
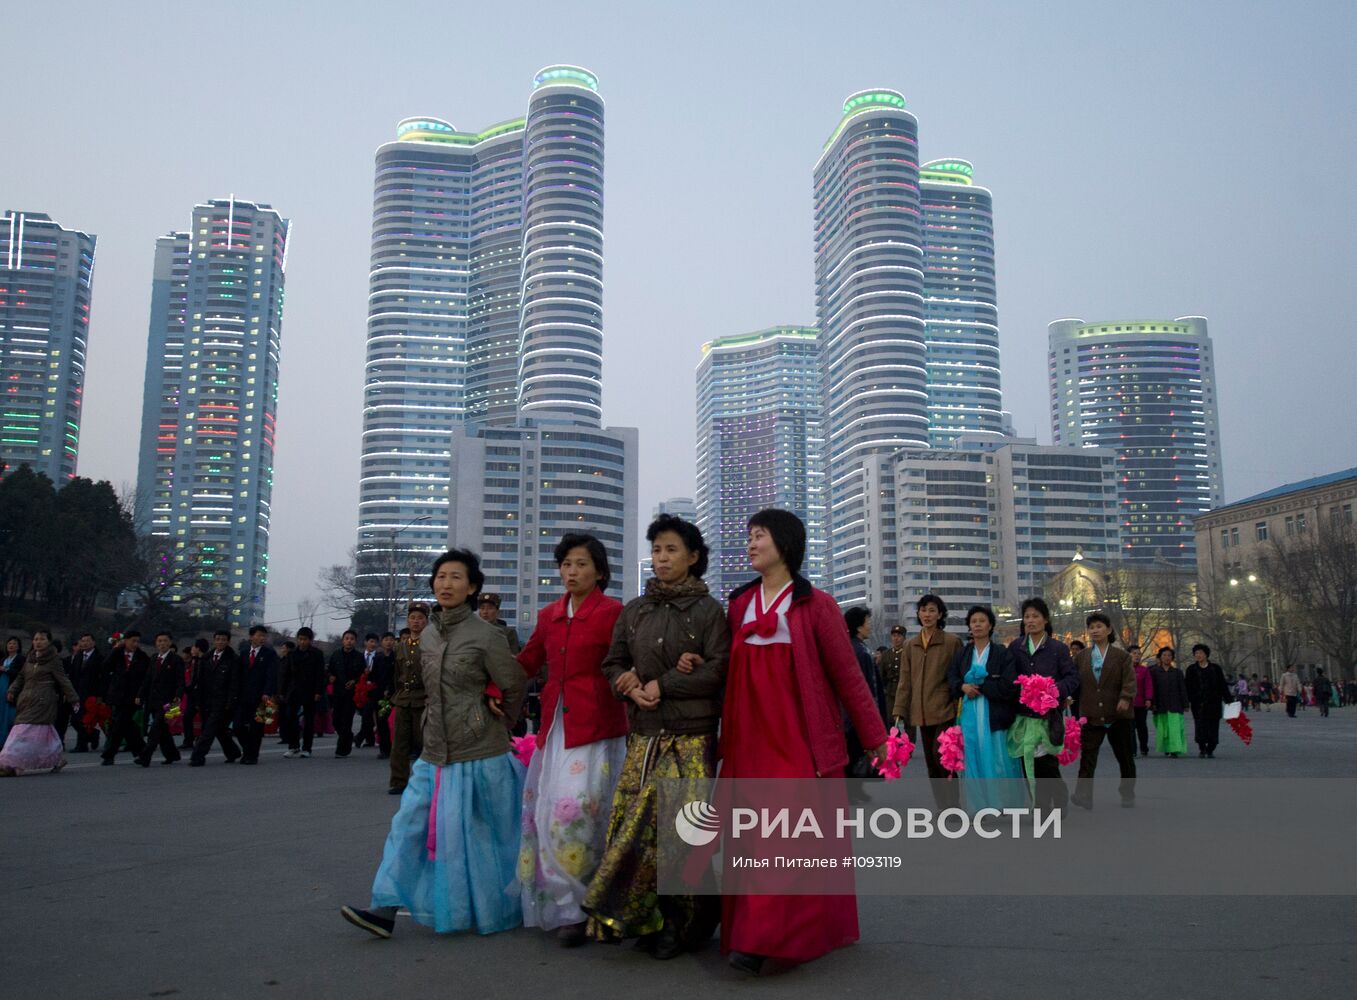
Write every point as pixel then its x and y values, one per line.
pixel 1147 161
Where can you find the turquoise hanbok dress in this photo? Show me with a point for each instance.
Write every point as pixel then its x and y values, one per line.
pixel 992 779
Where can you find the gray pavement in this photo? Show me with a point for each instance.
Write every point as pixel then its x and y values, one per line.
pixel 224 881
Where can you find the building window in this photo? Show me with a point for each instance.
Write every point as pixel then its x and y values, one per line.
pixel 1260 530
pixel 1234 537
pixel 1290 525
pixel 1224 538
pixel 1300 524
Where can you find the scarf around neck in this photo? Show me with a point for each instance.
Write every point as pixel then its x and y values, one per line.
pixel 690 587
pixel 446 619
pixel 44 658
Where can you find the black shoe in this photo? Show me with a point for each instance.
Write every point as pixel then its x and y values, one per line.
pixel 143 761
pixel 232 760
pixel 395 791
pixel 169 761
pixel 647 942
pixel 106 762
pixel 667 946
pixel 338 754
pixel 745 962
pixel 1201 753
pixel 571 936
pixel 371 922
pixel 185 746
pixel 1210 756
pixel 197 763
pixel 383 756
pixel 249 760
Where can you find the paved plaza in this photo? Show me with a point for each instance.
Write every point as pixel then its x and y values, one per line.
pixel 225 881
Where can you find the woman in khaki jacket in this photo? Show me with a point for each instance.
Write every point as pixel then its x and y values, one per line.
pixel 923 700
pixel 452 853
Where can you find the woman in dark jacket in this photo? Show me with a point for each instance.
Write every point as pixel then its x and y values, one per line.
pixel 1170 702
pixel 983 677
pixel 673 718
pixel 1030 737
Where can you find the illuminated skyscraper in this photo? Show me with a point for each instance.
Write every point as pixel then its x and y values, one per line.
pixel 485 302
pixel 869 300
pixel 962 321
pixel 45 277
pixel 1147 390
pixel 758 444
pixel 205 476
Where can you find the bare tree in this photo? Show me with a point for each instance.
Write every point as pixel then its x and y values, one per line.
pixel 1316 570
pixel 306 612
pixel 1125 594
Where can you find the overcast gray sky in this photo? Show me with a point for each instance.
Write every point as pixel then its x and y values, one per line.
pixel 1147 160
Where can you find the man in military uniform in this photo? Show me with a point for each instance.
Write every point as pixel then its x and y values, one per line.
pixel 409 699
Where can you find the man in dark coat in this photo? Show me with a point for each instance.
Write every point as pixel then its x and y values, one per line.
pixel 88 673
pixel 367 727
pixel 1207 693
pixel 345 668
pixel 163 688
pixel 218 686
pixel 128 675
pixel 258 680
pixel 383 674
pixel 301 682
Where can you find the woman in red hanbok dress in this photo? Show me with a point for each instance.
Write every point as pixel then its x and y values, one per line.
pixel 792 675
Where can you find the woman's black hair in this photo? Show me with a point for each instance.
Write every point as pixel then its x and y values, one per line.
pixel 42 630
pixel 982 609
pixel 594 547
pixel 938 603
pixel 686 530
pixel 854 617
pixel 1098 616
pixel 15 638
pixel 200 644
pixel 1204 648
pixel 789 535
pixel 1039 606
pixel 468 559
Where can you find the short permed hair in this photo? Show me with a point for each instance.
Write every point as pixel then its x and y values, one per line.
pixel 686 530
pixel 468 559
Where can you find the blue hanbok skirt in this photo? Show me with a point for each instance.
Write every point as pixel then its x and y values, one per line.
pixel 992 779
pixel 463 877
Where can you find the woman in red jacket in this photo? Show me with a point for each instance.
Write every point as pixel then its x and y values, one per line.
pixel 580 748
pixel 792 675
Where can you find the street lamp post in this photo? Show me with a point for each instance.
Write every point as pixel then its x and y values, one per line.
pixel 1270 629
pixel 391 572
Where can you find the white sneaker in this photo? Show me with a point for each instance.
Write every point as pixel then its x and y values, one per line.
pixel 292 753
pixel 306 753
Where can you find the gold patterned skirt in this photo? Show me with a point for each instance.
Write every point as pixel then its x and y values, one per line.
pixel 622 901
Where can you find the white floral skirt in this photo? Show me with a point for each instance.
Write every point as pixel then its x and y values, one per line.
pixel 565 824
pixel 30 749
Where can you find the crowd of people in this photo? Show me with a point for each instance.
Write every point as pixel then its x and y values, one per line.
pixel 624 697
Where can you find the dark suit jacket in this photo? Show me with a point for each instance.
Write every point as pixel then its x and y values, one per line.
pixel 258 679
pixel 1098 698
pixel 126 679
pixel 301 675
pixel 345 667
pixel 218 681
pixel 89 677
pixel 164 684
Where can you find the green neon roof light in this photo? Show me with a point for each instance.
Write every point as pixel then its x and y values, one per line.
pixel 565 74
pixel 433 130
pixel 947 171
pixel 867 100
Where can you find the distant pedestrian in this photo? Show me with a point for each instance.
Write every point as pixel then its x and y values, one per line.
pixel 859 623
pixel 258 685
pixel 367 715
pixel 923 703
pixel 218 695
pixel 1291 690
pixel 488 608
pixel 345 671
pixel 129 669
pixel 31 745
pixel 983 679
pixel 301 684
pixel 409 699
pixel 161 691
pixel 1141 703
pixel 890 666
pixel 1207 693
pixel 10 669
pixel 1030 738
pixel 88 674
pixel 1323 692
pixel 1107 691
pixel 1170 702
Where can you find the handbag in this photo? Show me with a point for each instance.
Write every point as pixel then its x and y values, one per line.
pixel 1231 710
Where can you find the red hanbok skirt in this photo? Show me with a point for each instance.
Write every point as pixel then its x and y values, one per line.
pixel 763 735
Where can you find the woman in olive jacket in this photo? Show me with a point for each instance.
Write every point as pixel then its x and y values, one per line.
pixel 38 690
pixel 673 717
pixel 452 853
